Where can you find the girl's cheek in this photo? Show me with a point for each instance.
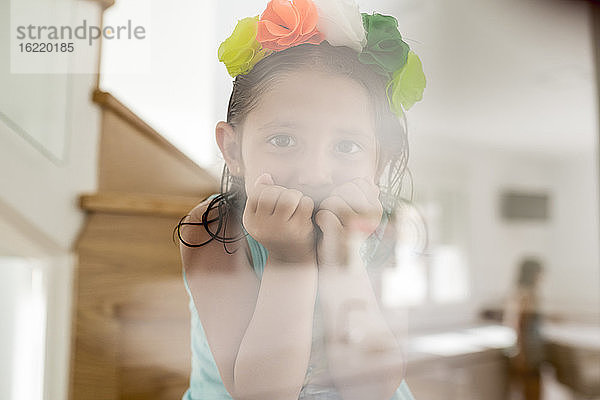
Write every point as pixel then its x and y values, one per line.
pixel 359 169
pixel 279 171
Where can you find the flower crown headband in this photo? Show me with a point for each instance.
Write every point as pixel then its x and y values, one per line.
pixel 289 23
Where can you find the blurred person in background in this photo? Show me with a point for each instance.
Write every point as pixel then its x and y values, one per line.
pixel 523 315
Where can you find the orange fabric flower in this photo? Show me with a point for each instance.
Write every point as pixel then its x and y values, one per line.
pixel 288 23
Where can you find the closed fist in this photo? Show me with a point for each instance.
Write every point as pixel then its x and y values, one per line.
pixel 280 219
pixel 352 208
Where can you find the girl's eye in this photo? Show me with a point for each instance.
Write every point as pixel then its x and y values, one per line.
pixel 282 141
pixel 348 147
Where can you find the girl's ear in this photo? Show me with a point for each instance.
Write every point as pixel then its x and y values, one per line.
pixel 230 144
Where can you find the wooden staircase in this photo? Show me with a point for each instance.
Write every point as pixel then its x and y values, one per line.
pixel 131 318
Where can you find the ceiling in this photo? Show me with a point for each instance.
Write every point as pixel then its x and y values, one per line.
pixel 515 74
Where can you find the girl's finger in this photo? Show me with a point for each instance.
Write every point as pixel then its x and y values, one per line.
pixel 264 179
pixel 354 196
pixel 267 200
pixel 260 183
pixel 329 223
pixel 287 203
pixel 370 190
pixel 305 208
pixel 371 194
pixel 338 207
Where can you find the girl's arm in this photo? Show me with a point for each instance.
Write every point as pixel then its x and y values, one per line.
pixel 259 332
pixel 364 356
pixel 366 362
pixel 273 356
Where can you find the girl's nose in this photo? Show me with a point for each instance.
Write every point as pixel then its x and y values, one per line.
pixel 316 170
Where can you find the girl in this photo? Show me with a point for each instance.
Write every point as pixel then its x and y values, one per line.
pixel 314 156
pixel 523 315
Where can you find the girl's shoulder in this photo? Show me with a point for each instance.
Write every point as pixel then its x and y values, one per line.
pixel 201 207
pixel 200 249
pixel 192 231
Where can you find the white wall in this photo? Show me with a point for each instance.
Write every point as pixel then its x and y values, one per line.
pixel 170 86
pixel 568 243
pixel 573 281
pixel 46 193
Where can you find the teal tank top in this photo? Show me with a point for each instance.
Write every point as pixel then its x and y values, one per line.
pixel 205 380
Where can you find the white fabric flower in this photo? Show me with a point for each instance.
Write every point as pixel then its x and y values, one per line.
pixel 341 23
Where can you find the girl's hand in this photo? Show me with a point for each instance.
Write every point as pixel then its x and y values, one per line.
pixel 280 219
pixel 352 208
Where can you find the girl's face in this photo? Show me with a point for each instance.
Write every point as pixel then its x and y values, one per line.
pixel 311 131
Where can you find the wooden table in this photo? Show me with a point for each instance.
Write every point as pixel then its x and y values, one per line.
pixel 574 351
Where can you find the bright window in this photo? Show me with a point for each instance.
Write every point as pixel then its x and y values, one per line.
pixel 22 339
pixel 431 266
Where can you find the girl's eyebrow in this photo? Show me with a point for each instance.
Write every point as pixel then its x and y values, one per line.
pixel 279 124
pixel 295 125
pixel 354 132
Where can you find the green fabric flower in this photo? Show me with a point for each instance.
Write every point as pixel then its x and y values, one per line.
pixel 407 85
pixel 241 51
pixel 385 48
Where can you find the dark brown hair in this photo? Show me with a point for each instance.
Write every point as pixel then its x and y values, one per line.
pixel 530 269
pixel 246 94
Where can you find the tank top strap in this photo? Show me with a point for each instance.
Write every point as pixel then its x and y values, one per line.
pixel 403 392
pixel 259 254
pixel 185 282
